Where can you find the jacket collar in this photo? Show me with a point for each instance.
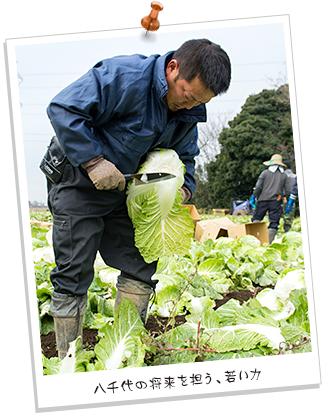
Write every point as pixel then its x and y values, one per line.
pixel 195 114
pixel 275 167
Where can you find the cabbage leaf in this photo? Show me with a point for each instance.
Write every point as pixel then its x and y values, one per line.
pixel 76 360
pixel 244 337
pixel 120 344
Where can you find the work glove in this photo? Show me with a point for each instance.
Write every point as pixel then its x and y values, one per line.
pixel 186 194
pixel 290 204
pixel 252 202
pixel 104 174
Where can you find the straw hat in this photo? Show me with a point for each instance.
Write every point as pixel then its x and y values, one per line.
pixel 275 159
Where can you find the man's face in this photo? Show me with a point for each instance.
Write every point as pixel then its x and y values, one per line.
pixel 183 94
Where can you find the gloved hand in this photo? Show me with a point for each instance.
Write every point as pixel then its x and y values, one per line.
pixel 186 194
pixel 290 204
pixel 104 174
pixel 252 202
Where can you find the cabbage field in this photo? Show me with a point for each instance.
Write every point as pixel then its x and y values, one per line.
pixel 224 299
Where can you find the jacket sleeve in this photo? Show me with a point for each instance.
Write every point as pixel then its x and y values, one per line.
pixel 259 185
pixel 294 190
pixel 79 108
pixel 187 155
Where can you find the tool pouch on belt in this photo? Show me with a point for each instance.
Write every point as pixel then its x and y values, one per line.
pixel 54 161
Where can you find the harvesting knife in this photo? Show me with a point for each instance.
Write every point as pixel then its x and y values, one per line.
pixel 145 178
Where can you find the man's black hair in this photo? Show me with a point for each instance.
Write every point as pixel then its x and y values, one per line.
pixel 287 163
pixel 205 59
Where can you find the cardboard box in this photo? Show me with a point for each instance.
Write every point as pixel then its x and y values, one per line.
pixel 212 229
pixel 222 211
pixel 257 229
pixel 200 228
pixel 194 213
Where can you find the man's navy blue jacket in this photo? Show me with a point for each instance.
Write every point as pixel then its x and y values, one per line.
pixel 117 109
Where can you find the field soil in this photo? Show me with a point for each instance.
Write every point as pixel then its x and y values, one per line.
pixel 154 325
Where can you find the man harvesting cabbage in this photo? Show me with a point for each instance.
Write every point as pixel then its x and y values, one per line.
pixel 107 122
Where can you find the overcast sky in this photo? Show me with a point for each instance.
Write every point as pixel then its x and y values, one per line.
pixel 256 48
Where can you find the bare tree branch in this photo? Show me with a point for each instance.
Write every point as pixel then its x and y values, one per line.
pixel 208 142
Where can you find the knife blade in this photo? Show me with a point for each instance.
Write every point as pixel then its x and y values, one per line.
pixel 145 178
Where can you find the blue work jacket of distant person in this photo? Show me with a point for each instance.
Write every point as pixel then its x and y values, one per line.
pixel 117 108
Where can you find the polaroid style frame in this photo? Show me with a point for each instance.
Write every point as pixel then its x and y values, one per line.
pixel 268 372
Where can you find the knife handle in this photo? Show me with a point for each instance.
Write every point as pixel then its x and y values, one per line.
pixel 127 176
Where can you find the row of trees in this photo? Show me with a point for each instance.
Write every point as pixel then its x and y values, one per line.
pixel 232 153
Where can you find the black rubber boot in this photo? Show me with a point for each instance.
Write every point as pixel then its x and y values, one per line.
pixel 68 312
pixel 67 330
pixel 137 291
pixel 271 234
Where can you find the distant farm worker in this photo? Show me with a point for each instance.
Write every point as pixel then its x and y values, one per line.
pixel 288 216
pixel 106 123
pixel 268 192
pixel 292 197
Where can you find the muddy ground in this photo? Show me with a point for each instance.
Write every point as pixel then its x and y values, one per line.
pixel 155 325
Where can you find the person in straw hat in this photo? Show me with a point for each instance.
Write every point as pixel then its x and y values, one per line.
pixel 268 192
pixel 288 211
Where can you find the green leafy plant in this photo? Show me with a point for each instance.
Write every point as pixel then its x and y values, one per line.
pixel 273 321
pixel 76 360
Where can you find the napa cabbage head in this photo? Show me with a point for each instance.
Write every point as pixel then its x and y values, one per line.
pixel 270 299
pixel 289 281
pixel 162 226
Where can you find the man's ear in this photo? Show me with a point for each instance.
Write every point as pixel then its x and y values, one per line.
pixel 172 66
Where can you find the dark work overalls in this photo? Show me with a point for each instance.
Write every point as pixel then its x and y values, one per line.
pixel 87 220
